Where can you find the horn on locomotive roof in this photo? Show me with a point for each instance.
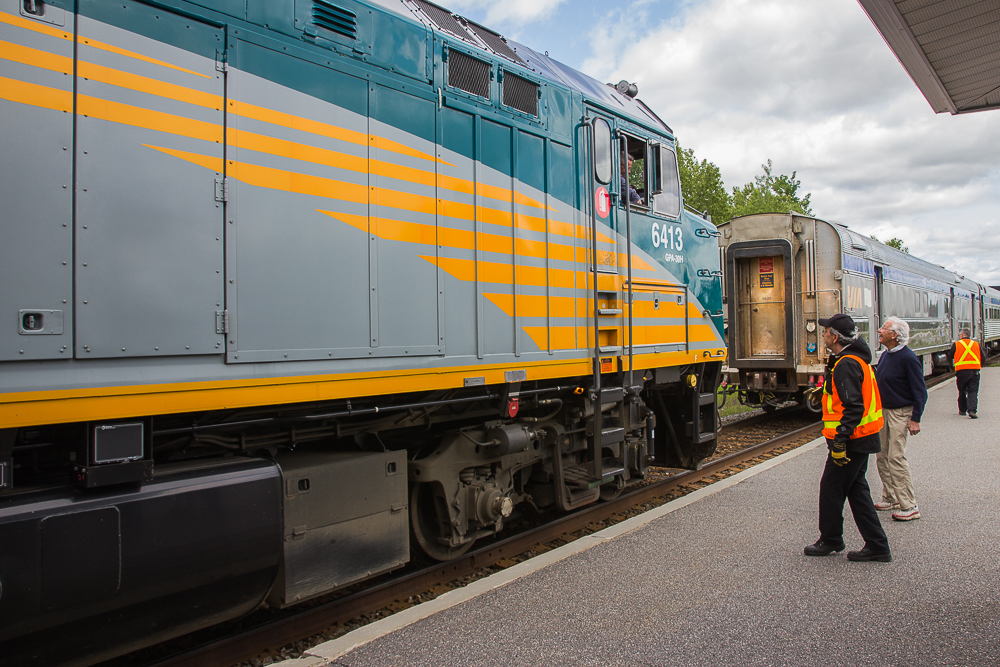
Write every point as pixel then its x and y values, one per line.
pixel 626 88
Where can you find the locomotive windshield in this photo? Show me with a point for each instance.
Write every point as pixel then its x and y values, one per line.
pixel 667 193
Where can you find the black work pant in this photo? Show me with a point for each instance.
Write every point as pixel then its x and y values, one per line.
pixel 968 390
pixel 848 482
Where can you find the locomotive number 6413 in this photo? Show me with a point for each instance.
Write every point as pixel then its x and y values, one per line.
pixel 671 235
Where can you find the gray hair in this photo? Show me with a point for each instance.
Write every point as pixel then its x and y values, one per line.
pixel 965 333
pixel 845 340
pixel 901 328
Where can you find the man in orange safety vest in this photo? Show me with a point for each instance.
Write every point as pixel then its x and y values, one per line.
pixel 852 420
pixel 968 360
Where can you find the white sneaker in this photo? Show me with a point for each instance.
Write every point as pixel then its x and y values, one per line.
pixel 883 506
pixel 908 515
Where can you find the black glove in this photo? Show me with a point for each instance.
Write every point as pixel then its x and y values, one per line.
pixel 838 452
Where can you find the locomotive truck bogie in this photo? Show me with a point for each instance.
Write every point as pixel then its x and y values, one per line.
pixel 465 488
pixel 473 480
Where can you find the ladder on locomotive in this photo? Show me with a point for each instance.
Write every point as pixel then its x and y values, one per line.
pixel 579 484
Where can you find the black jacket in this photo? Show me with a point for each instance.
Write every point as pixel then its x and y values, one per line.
pixel 848 378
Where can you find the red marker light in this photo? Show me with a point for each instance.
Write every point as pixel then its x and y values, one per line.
pixel 513 405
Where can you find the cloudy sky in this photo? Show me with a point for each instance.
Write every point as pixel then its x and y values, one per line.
pixel 809 84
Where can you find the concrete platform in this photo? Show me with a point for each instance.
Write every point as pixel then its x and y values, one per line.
pixel 718 577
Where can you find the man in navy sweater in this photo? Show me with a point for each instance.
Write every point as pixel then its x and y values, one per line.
pixel 900 378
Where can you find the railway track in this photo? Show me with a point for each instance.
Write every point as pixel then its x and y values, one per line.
pixel 665 486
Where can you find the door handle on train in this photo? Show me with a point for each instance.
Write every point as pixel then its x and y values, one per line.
pixel 706 273
pixel 706 233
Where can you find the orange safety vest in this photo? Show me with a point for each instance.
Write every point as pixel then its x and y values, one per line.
pixel 967 355
pixel 833 409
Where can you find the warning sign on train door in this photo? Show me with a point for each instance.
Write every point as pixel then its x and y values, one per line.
pixel 602 202
pixel 766 270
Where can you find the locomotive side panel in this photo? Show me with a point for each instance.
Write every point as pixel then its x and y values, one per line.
pixel 458 141
pixel 36 185
pixel 405 291
pixel 149 250
pixel 298 278
pixel 497 280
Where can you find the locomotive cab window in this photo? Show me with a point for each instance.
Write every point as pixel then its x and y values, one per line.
pixel 634 172
pixel 666 181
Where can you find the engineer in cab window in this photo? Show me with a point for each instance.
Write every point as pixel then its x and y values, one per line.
pixel 633 194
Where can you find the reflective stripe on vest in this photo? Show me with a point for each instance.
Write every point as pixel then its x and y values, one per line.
pixel 833 409
pixel 969 359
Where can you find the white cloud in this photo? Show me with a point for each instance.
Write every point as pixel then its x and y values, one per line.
pixel 812 86
pixel 507 11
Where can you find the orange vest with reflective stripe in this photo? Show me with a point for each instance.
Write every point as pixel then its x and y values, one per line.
pixel 833 409
pixel 967 355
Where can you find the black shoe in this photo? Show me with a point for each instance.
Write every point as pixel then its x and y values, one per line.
pixel 961 414
pixel 973 415
pixel 868 554
pixel 824 548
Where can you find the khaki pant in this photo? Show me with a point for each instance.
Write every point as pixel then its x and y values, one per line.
pixel 891 460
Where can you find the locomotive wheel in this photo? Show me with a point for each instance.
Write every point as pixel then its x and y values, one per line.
pixel 429 520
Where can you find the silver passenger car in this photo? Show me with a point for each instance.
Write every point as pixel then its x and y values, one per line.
pixel 782 272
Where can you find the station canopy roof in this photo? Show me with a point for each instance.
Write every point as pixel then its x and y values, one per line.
pixel 950 48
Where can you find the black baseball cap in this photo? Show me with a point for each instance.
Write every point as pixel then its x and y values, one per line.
pixel 840 323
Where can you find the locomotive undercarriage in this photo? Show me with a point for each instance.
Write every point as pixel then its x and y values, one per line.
pixel 309 498
pixel 468 465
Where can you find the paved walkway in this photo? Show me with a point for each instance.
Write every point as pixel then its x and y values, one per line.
pixel 718 578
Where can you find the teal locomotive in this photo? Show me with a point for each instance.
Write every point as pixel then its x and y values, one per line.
pixel 291 288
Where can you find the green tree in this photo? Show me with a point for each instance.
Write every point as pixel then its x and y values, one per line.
pixel 894 242
pixel 770 194
pixel 702 186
